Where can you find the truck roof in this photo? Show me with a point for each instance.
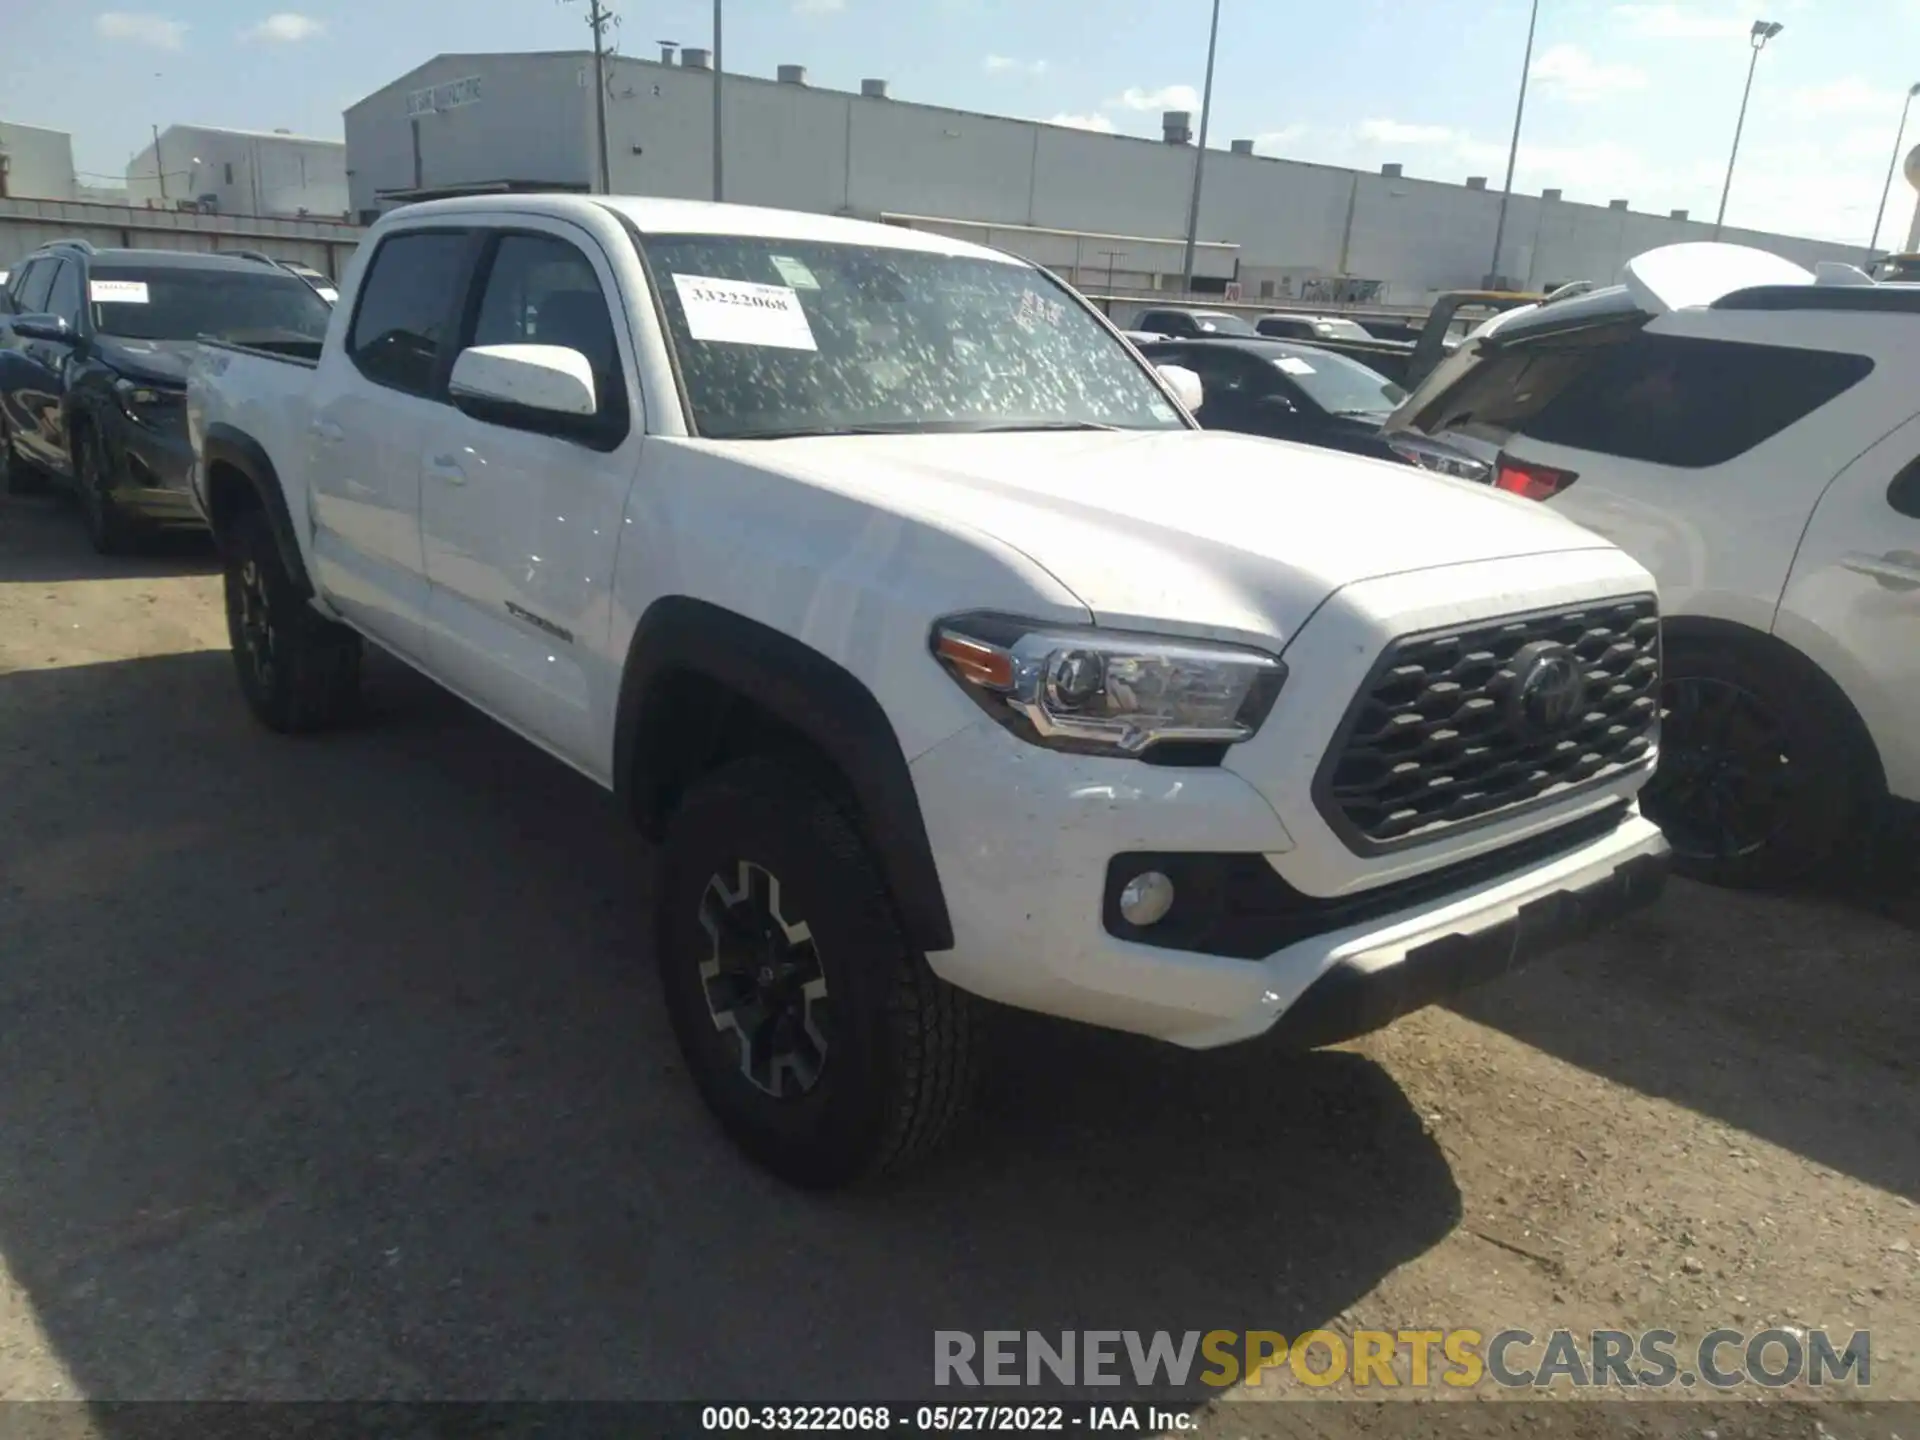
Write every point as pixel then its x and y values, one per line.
pixel 656 216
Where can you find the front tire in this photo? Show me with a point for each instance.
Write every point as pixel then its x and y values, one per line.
pixel 817 1035
pixel 1766 775
pixel 299 671
pixel 109 528
pixel 16 476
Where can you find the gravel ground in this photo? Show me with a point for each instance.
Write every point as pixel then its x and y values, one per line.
pixel 334 1069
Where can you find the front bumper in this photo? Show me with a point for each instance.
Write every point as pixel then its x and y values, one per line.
pixel 1024 859
pixel 152 469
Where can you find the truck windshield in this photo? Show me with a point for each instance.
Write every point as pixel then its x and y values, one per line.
pixel 789 337
pixel 167 303
pixel 1338 385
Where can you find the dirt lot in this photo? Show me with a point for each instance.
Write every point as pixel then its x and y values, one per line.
pixel 336 1069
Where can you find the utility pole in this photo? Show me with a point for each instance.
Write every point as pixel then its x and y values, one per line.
pixel 1111 255
pixel 1899 139
pixel 1199 160
pixel 1513 149
pixel 719 68
pixel 600 19
pixel 159 167
pixel 1762 32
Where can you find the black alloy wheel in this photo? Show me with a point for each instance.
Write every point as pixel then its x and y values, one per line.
pixel 1727 779
pixel 108 528
pixel 764 985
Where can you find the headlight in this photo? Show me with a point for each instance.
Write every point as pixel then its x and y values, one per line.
pixel 145 403
pixel 1441 462
pixel 1107 691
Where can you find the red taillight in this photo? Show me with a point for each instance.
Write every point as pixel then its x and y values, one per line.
pixel 1531 482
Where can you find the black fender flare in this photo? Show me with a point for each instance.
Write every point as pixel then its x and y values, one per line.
pixel 820 700
pixel 223 444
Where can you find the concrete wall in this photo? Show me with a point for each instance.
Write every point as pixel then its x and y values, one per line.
pixel 25 225
pixel 836 152
pixel 531 123
pixel 39 162
pixel 246 172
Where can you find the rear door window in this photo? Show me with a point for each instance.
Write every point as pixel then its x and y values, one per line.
pixel 406 308
pixel 63 298
pixel 32 286
pixel 1687 402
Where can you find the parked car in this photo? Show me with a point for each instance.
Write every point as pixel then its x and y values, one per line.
pixel 1282 326
pixel 322 283
pixel 1181 322
pixel 1143 337
pixel 1753 438
pixel 93 371
pixel 1287 391
pixel 942 654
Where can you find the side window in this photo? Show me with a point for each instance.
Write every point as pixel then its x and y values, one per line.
pixel 1676 400
pixel 34 284
pixel 540 290
pixel 63 299
pixel 405 308
pixel 1904 494
pixel 1222 372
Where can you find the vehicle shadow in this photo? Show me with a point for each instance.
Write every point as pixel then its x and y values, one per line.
pixel 334 1068
pixel 42 541
pixel 1698 999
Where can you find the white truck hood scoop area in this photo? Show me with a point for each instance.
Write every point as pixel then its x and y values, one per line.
pixel 1223 533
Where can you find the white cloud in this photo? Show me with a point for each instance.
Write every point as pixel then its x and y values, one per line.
pixel 818 7
pixel 1849 96
pixel 1569 71
pixel 1084 122
pixel 1167 97
pixel 140 28
pixel 1269 140
pixel 286 28
pixel 1680 22
pixel 1398 132
pixel 1007 65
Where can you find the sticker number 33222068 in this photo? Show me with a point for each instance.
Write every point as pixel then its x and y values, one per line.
pixel 741 312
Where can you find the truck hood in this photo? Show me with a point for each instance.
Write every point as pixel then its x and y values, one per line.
pixel 1198 532
pixel 161 362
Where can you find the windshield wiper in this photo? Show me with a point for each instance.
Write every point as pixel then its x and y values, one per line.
pixel 804 432
pixel 996 427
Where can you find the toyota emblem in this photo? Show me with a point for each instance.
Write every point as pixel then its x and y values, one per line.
pixel 1550 691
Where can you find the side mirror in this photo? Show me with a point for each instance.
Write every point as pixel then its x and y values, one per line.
pixel 1185 385
pixel 545 388
pixel 1280 404
pixel 44 327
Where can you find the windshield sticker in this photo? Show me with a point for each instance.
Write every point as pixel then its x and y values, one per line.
pixel 794 273
pixel 117 292
pixel 1034 309
pixel 739 312
pixel 1294 365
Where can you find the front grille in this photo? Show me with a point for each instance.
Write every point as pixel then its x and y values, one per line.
pixel 1440 738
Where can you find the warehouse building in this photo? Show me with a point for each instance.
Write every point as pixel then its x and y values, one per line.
pixel 241 172
pixel 1100 209
pixel 36 164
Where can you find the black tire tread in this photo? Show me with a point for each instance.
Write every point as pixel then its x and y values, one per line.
pixel 319 659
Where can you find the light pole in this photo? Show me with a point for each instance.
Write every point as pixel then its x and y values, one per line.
pixel 1513 149
pixel 1762 32
pixel 1899 139
pixel 1200 159
pixel 1112 255
pixel 719 189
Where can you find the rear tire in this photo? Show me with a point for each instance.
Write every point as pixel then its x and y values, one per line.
pixel 299 671
pixel 817 1035
pixel 1767 775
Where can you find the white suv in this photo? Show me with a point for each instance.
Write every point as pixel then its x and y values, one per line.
pixel 1751 435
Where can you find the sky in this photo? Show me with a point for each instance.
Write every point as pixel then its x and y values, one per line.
pixel 1630 99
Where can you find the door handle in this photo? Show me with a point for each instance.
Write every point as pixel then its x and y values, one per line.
pixel 1898 569
pixel 326 430
pixel 446 469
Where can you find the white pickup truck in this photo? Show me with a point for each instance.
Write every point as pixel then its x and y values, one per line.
pixel 906 607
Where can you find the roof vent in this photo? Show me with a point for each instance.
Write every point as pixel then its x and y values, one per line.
pixel 281 130
pixel 1391 171
pixel 1176 127
pixel 1616 204
pixel 1676 214
pixel 667 47
pixel 1549 194
pixel 694 58
pixel 1476 182
pixel 874 89
pixel 793 74
pixel 1242 147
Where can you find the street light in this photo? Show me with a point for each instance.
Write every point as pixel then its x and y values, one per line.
pixel 1762 32
pixel 1899 138
pixel 1200 159
pixel 1513 150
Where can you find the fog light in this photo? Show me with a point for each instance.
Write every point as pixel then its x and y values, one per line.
pixel 1146 899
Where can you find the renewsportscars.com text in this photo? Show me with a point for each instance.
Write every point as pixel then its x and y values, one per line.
pixel 1722 1359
